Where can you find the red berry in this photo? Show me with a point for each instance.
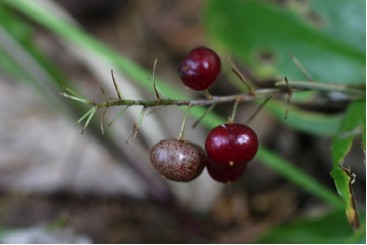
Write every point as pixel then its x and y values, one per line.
pixel 199 69
pixel 224 172
pixel 178 160
pixel 231 144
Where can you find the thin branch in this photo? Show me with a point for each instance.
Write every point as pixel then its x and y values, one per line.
pixel 324 87
pixel 282 87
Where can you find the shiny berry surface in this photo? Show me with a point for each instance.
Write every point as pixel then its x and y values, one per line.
pixel 231 144
pixel 224 172
pixel 178 160
pixel 200 68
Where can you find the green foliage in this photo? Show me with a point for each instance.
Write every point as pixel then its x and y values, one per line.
pixel 326 36
pixel 352 126
pixel 330 45
pixel 331 228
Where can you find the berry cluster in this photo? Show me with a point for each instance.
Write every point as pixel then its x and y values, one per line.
pixel 228 147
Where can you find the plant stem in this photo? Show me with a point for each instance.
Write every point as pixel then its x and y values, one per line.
pixel 281 88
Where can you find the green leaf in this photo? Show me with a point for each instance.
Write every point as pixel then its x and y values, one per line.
pixel 331 228
pixel 309 122
pixel 328 37
pixel 352 125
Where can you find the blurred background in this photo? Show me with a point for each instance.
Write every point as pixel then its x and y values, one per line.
pixel 58 185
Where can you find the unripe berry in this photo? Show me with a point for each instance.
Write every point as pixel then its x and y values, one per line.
pixel 178 160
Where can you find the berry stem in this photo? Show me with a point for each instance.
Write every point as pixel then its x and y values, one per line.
pixel 234 111
pixel 183 125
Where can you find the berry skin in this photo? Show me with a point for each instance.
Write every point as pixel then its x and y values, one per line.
pixel 231 144
pixel 199 69
pixel 178 160
pixel 225 173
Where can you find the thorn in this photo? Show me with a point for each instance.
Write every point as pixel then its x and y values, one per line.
pixel 116 86
pixel 258 109
pixel 289 94
pixel 236 71
pixel 135 130
pixel 104 94
pixel 203 115
pixel 208 96
pixel 153 80
pixel 301 67
pixel 102 119
pixel 117 116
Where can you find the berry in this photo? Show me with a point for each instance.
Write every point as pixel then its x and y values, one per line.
pixel 178 160
pixel 231 144
pixel 224 172
pixel 199 69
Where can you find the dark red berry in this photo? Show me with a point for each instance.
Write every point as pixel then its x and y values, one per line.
pixel 231 144
pixel 199 69
pixel 178 160
pixel 224 172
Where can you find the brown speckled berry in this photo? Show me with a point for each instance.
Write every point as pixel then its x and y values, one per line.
pixel 178 160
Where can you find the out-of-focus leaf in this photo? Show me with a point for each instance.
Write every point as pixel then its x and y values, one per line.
pixel 351 126
pixel 332 228
pixel 305 121
pixel 328 37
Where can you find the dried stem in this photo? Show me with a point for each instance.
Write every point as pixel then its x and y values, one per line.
pixel 258 110
pixel 116 86
pixel 236 71
pixel 153 80
pixel 288 98
pixel 210 108
pixel 136 127
pixel 301 67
